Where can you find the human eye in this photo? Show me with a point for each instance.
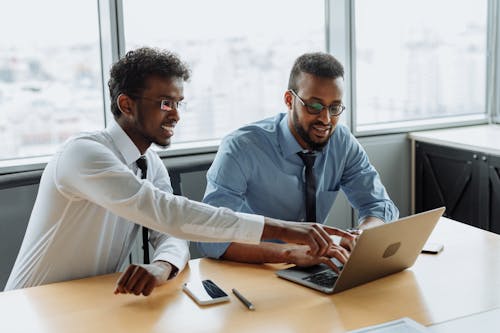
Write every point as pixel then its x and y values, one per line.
pixel 336 108
pixel 316 107
pixel 166 105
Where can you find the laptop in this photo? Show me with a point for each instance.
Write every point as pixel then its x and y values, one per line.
pixel 379 251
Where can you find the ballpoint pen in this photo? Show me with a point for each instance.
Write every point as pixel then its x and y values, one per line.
pixel 242 298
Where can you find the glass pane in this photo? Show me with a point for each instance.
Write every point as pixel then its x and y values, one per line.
pixel 50 80
pixel 240 53
pixel 419 59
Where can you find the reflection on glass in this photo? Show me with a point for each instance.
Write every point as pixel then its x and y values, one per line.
pixel 426 59
pixel 240 54
pixel 50 82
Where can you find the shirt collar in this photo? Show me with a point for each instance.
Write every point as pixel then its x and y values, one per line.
pixel 288 143
pixel 127 148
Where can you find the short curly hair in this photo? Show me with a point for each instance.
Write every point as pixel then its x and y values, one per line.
pixel 319 64
pixel 129 74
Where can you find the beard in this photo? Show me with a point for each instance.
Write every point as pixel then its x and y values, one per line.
pixel 304 135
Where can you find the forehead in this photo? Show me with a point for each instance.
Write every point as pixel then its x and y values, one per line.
pixel 164 86
pixel 309 85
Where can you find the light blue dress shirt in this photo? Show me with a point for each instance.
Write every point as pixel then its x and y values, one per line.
pixel 257 170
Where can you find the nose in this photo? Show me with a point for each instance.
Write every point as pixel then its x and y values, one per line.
pixel 173 114
pixel 324 116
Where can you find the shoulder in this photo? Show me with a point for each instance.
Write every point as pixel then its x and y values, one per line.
pixel 86 148
pixel 344 137
pixel 257 134
pixel 343 132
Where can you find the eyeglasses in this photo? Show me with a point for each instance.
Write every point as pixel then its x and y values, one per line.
pixel 315 108
pixel 165 104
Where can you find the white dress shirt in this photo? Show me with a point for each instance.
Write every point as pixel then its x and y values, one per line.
pixel 89 200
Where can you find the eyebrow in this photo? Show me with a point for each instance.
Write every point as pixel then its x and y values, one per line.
pixel 170 97
pixel 321 101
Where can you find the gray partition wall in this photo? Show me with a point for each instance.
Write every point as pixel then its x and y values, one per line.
pixel 16 204
pixel 391 156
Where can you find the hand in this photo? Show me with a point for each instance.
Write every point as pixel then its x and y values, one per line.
pixel 316 236
pixel 368 222
pixel 299 255
pixel 142 279
pixel 349 244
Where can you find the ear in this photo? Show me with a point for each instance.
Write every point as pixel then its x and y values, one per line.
pixel 288 98
pixel 125 105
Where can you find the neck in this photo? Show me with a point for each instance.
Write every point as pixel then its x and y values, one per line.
pixel 137 138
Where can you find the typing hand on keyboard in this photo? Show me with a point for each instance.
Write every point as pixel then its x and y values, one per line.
pixel 298 255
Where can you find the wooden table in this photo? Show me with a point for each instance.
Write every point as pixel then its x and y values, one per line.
pixel 462 280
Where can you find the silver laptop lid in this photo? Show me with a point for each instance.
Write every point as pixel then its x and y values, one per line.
pixel 379 251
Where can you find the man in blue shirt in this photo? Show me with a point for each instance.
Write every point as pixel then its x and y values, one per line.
pixel 258 169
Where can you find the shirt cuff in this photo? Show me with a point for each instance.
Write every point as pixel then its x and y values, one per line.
pixel 250 228
pixel 178 264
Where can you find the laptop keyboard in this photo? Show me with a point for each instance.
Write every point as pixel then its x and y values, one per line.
pixel 325 278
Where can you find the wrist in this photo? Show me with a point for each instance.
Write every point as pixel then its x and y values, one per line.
pixel 272 229
pixel 370 222
pixel 168 271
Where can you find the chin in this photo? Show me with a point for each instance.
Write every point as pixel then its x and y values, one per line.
pixel 163 145
pixel 318 144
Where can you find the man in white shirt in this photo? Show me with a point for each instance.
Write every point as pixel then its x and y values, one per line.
pixel 91 198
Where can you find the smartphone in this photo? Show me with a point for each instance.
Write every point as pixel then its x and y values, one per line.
pixel 205 292
pixel 432 248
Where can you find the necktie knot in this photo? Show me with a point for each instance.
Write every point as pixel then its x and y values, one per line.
pixel 308 158
pixel 142 164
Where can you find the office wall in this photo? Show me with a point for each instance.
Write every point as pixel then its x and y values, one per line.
pixel 391 156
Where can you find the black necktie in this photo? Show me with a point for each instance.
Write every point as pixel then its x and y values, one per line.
pixel 142 164
pixel 309 159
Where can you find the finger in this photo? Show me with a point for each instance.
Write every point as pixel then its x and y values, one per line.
pixel 325 240
pixel 122 281
pixel 351 245
pixel 330 264
pixel 339 252
pixel 338 232
pixel 347 244
pixel 134 278
pixel 141 283
pixel 320 244
pixel 314 246
pixel 340 256
pixel 148 288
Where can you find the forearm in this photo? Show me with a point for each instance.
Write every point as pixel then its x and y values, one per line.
pixel 170 249
pixel 256 254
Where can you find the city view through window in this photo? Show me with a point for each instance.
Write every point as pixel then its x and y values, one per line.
pixel 50 75
pixel 240 56
pixel 427 61
pixel 432 64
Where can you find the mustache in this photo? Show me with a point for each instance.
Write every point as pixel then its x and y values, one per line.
pixel 319 123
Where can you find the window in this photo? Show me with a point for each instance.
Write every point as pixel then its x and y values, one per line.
pixel 418 60
pixel 50 75
pixel 240 53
